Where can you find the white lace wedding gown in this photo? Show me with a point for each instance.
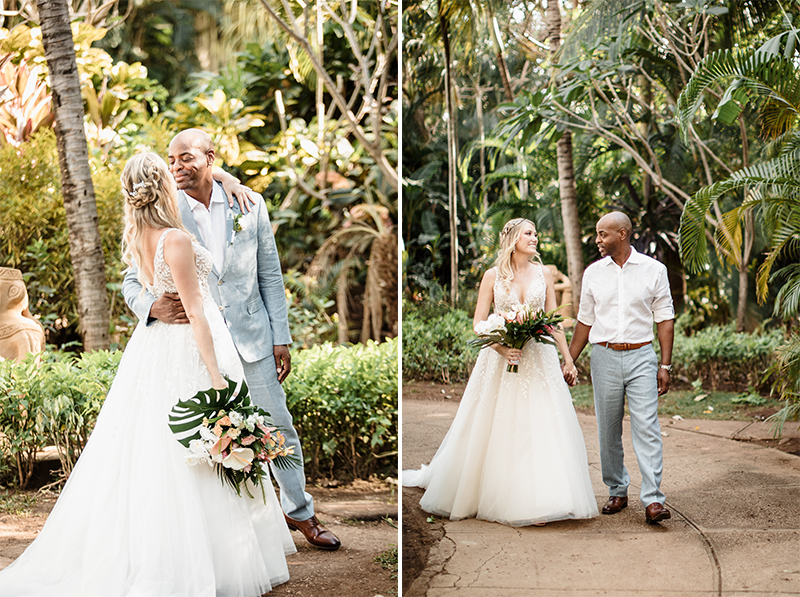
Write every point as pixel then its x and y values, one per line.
pixel 134 519
pixel 515 452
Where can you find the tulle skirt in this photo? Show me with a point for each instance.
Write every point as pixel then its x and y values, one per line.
pixel 515 452
pixel 134 519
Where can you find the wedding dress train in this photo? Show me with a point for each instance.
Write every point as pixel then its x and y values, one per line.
pixel 134 519
pixel 514 453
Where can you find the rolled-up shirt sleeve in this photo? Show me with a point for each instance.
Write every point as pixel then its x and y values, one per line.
pixel 662 301
pixel 586 311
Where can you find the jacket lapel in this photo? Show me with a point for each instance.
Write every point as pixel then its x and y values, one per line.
pixel 188 218
pixel 230 213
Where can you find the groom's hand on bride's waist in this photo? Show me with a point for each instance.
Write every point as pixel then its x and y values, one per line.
pixel 169 309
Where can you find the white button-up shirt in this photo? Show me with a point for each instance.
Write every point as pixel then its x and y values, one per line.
pixel 211 223
pixel 621 303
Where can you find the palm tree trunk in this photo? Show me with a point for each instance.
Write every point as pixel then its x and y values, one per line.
pixel 451 157
pixel 747 246
pixel 566 175
pixel 86 250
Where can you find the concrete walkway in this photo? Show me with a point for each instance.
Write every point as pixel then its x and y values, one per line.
pixel 735 527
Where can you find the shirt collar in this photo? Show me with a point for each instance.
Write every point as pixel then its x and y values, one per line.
pixel 634 258
pixel 217 196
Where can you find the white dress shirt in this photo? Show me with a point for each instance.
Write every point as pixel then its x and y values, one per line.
pixel 211 223
pixel 621 303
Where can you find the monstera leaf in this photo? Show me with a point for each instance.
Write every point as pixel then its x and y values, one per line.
pixel 188 415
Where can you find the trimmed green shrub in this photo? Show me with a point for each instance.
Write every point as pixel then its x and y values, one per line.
pixel 725 359
pixel 435 347
pixel 51 403
pixel 344 403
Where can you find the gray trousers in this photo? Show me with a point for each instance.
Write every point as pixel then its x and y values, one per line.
pixel 615 375
pixel 267 393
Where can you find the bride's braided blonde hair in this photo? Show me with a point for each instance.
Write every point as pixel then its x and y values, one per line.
pixel 150 202
pixel 509 236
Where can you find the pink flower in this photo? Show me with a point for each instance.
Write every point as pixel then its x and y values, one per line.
pixel 220 446
pixel 520 317
pixel 248 440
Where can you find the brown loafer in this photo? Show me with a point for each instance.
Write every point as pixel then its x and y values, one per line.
pixel 316 534
pixel 615 504
pixel 655 512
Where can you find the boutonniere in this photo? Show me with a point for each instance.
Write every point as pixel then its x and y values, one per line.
pixel 237 226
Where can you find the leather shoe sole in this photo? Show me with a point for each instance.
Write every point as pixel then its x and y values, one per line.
pixel 615 504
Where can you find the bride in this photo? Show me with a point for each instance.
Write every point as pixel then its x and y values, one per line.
pixel 134 519
pixel 515 452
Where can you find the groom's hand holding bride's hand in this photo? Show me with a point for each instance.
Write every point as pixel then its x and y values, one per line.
pixel 570 372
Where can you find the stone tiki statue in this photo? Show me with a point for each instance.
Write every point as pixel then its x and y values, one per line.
pixel 20 333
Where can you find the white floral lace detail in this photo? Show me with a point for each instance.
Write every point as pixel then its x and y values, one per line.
pixel 505 298
pixel 163 281
pixel 539 364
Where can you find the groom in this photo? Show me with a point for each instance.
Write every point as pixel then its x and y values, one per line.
pixel 623 294
pixel 247 284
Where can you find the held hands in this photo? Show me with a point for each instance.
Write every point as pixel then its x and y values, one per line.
pixel 169 309
pixel 283 361
pixel 570 373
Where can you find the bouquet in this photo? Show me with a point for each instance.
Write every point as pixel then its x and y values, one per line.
pixel 516 327
pixel 223 429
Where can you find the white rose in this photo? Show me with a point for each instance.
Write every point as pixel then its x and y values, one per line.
pixel 236 418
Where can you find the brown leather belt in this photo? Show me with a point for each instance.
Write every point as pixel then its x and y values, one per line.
pixel 623 345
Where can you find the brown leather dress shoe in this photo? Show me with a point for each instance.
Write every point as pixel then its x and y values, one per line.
pixel 655 512
pixel 615 504
pixel 316 534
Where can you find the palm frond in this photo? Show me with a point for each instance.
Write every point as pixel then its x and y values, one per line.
pixel 767 80
pixel 781 172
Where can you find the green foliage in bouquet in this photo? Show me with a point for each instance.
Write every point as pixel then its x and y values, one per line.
pixel 514 329
pixel 224 429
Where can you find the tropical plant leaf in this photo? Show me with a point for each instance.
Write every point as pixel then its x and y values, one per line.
pixel 768 80
pixel 187 415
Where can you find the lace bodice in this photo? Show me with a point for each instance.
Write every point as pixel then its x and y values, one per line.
pixel 505 298
pixel 163 281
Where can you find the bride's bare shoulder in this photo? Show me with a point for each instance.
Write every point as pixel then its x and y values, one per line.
pixel 490 276
pixel 176 244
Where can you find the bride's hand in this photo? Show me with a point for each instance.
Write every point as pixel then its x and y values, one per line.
pixel 219 383
pixel 512 355
pixel 570 373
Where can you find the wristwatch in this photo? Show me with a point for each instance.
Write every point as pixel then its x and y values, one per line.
pixel 667 367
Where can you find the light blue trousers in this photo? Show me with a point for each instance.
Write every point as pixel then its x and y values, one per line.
pixel 615 375
pixel 267 393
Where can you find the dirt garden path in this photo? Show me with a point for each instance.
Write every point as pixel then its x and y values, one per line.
pixel 357 513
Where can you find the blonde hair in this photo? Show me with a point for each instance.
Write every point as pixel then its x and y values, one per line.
pixel 151 201
pixel 509 236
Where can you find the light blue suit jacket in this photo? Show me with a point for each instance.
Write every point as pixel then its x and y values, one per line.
pixel 249 289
